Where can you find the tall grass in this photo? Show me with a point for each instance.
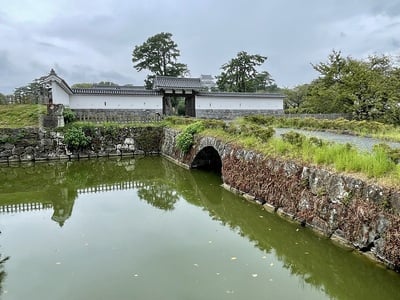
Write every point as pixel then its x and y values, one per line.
pixel 21 115
pixel 341 157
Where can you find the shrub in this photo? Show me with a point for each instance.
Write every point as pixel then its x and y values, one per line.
pixel 69 115
pixel 263 134
pixel 76 139
pixel 294 138
pixel 260 119
pixel 214 124
pixel 316 141
pixel 110 128
pixel 184 140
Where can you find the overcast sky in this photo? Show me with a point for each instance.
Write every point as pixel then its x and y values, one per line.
pixel 92 41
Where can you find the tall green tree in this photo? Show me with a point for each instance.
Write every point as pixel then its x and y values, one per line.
pixel 86 85
pixel 82 85
pixel 240 74
pixel 29 94
pixel 159 55
pixel 368 89
pixel 106 83
pixel 295 98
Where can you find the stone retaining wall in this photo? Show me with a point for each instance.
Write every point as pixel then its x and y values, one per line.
pixel 230 114
pixel 34 144
pixel 118 115
pixel 352 211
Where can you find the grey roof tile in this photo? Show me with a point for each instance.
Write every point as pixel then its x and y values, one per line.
pixel 241 95
pixel 114 91
pixel 168 82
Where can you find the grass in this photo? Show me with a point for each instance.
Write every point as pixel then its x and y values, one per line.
pixel 376 165
pixel 21 115
pixel 362 128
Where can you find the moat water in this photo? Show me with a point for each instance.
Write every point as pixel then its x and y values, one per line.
pixel 144 228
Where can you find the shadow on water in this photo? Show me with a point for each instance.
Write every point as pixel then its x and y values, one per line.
pixel 160 183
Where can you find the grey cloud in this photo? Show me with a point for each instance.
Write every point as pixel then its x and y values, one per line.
pixel 87 43
pixel 395 43
pixel 388 7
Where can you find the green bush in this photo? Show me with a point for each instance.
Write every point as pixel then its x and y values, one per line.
pixel 260 119
pixel 69 115
pixel 294 138
pixel 184 140
pixel 250 130
pixel 75 138
pixel 392 154
pixel 316 141
pixel 214 124
pixel 110 128
pixel 263 134
pixel 195 127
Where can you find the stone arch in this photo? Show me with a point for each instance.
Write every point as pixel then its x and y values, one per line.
pixel 207 158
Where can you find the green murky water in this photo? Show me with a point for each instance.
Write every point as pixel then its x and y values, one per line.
pixel 145 228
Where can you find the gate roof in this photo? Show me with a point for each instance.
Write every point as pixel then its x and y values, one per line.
pixel 168 82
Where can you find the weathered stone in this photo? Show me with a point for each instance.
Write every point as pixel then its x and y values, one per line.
pixel 6 154
pixel 336 189
pixel 17 151
pixel 7 146
pixel 321 226
pixel 51 144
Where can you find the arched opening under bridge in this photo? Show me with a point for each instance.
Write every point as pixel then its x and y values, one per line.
pixel 207 159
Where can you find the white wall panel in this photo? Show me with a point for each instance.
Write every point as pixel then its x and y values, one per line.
pixel 237 103
pixel 115 102
pixel 59 95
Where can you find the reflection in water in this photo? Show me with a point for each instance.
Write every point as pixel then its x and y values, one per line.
pixel 57 185
pixel 158 195
pixel 161 184
pixel 2 272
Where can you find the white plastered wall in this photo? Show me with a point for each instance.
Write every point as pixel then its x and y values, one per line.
pixel 59 95
pixel 238 103
pixel 142 102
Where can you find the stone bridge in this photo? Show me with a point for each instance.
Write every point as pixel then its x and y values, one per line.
pixel 350 210
pixel 208 154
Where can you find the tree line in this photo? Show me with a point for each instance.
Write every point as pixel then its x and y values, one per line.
pixel 367 89
pixel 159 55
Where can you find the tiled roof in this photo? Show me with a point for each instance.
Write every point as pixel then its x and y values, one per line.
pixel 54 77
pixel 115 91
pixel 241 95
pixel 167 82
pixel 206 77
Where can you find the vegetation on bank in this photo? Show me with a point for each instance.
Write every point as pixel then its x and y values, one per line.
pixel 252 132
pixel 21 115
pixel 375 129
pixel 381 164
pixel 77 135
